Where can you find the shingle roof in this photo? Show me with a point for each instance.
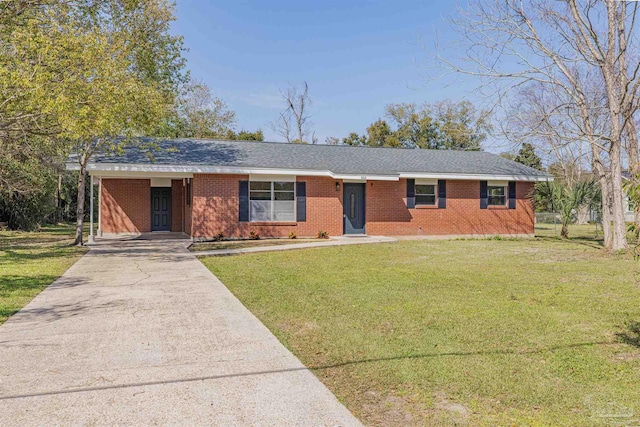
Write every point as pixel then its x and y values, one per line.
pixel 338 159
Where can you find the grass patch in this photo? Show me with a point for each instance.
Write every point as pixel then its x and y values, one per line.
pixel 477 332
pixel 239 244
pixel 29 262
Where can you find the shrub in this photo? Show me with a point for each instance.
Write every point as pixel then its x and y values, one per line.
pixel 218 237
pixel 323 234
pixel 254 236
pixel 292 235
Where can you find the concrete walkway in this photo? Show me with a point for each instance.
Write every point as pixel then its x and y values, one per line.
pixel 334 241
pixel 141 333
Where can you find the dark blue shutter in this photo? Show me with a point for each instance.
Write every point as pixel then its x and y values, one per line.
pixel 512 194
pixel 411 193
pixel 301 201
pixel 484 197
pixel 442 194
pixel 243 214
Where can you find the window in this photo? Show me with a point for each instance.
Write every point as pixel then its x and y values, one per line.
pixel 497 195
pixel 271 201
pixel 426 195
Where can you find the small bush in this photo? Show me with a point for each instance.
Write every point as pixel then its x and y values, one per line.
pixel 292 235
pixel 323 234
pixel 254 236
pixel 218 237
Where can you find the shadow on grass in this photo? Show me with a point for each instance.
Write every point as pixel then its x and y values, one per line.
pixel 631 335
pixel 591 243
pixel 19 254
pixel 25 286
pixel 296 369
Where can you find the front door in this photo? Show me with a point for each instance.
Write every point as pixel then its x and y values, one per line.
pixel 354 208
pixel 160 209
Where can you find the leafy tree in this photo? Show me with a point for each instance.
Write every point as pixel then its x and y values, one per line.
pixel 459 125
pixel 527 156
pixel 380 135
pixel 414 126
pixel 198 114
pixel 332 140
pixel 244 135
pixel 354 139
pixel 125 72
pixel 567 199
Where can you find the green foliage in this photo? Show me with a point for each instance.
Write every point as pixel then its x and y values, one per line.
pixel 354 139
pixel 567 199
pixel 322 234
pixel 527 156
pixel 444 125
pixel 380 135
pixel 198 114
pixel 27 211
pixel 245 135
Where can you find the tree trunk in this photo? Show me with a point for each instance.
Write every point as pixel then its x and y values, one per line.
pixel 606 214
pixel 619 242
pixel 80 210
pixel 564 232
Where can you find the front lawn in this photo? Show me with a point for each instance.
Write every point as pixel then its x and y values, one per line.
pixel 473 332
pixel 29 262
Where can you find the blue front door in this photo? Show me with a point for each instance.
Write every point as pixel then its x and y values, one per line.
pixel 354 206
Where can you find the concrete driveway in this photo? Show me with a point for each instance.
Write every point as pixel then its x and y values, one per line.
pixel 141 333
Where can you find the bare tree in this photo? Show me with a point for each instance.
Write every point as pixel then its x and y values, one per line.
pixel 294 123
pixel 568 48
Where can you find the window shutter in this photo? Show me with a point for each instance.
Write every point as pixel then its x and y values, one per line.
pixel 411 193
pixel 484 197
pixel 243 212
pixel 301 201
pixel 512 194
pixel 442 194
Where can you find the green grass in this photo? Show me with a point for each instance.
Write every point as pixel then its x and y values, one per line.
pixel 239 244
pixel 29 262
pixel 474 332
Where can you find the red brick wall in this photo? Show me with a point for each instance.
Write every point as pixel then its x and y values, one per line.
pixel 126 208
pixel 387 213
pixel 215 209
pixel 126 205
pixel 177 203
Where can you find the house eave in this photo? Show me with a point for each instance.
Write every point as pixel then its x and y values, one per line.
pixel 187 171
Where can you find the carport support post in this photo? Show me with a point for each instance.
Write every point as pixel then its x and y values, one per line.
pixel 91 236
pixel 100 207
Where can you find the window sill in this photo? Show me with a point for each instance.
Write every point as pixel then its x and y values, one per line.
pixel 275 223
pixel 426 206
pixel 497 207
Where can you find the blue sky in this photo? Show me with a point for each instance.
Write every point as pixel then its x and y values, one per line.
pixel 357 56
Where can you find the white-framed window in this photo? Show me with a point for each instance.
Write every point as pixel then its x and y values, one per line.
pixel 497 195
pixel 272 201
pixel 426 194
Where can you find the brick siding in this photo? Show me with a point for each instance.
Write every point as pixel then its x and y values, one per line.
pixel 214 209
pixel 126 205
pixel 387 212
